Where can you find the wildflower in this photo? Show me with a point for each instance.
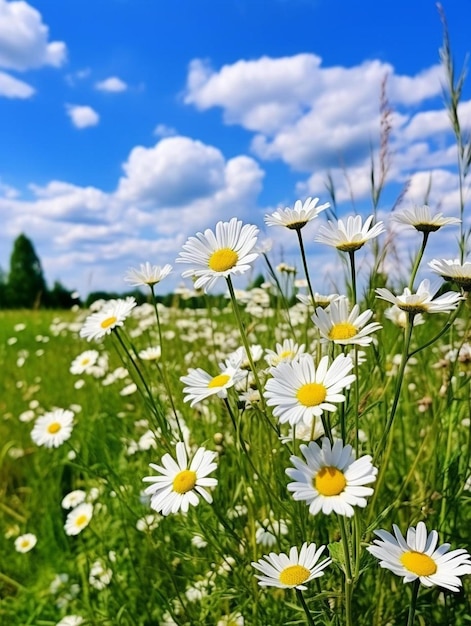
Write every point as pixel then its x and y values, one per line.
pixel 148 523
pixel 344 327
pixel 147 274
pixel 304 431
pixel 100 576
pixel 179 485
pixel 73 499
pixel 297 217
pixel 70 620
pixel 25 543
pixel 421 218
pixel 112 315
pixel 79 518
pixel 201 385
pixel 400 318
pixel 320 299
pixel 422 301
pixel 150 354
pixel 299 391
pixel 268 531
pixel 331 479
pixel 53 428
pixel 83 362
pixel 230 250
pixel 286 351
pixel 234 619
pixel 291 571
pixel 349 236
pixel 417 556
pixel 454 271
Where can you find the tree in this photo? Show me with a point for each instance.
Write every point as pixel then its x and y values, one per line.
pixel 26 285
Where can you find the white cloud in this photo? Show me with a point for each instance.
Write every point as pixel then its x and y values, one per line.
pixel 87 238
pixel 13 88
pixel 82 116
pixel 24 39
pixel 112 85
pixel 162 130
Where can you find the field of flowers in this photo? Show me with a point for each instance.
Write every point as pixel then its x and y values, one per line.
pixel 288 458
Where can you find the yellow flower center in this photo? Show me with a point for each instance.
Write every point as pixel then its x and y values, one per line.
pixel 294 575
pixel 330 481
pixel 109 321
pixel 223 259
pixel 25 543
pixel 85 361
pixel 219 381
pixel 184 481
pixel 286 354
pixel 53 428
pixel 311 394
pixel 344 330
pixel 81 520
pixel 419 563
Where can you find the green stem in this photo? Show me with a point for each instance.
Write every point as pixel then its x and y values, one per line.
pixel 413 602
pixel 351 255
pixel 306 270
pixel 348 571
pixel 418 259
pixel 280 291
pixel 302 601
pixel 446 468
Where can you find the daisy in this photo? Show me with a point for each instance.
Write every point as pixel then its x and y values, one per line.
pixel 230 250
pixel 53 428
pixel 234 619
pixel 417 556
pixel 83 362
pixel 453 270
pixel 297 217
pixel 320 299
pixel 344 327
pixel 73 499
pixel 286 351
pixel 349 236
pixel 421 218
pixel 400 318
pixel 200 385
pixel 422 301
pixel 70 620
pixel 331 479
pixel 147 274
pixel 78 519
pixel 179 484
pixel 299 391
pixel 112 315
pixel 291 571
pixel 25 543
pixel 153 353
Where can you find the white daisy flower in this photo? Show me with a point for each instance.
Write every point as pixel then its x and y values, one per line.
pixel 234 619
pixel 230 250
pixel 299 391
pixel 268 531
pixel 331 479
pixel 422 219
pixel 152 353
pixel 350 235
pixel 147 274
pixel 297 217
pixel 83 362
pixel 286 351
pixel 73 499
pixel 53 428
pixel 320 299
pixel 25 543
pixel 454 271
pixel 417 556
pixel 79 518
pixel 422 301
pixel 304 431
pixel 345 327
pixel 201 385
pixel 179 485
pixel 291 571
pixel 400 318
pixel 70 620
pixel 100 576
pixel 112 315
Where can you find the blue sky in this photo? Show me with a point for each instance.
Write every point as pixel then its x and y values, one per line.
pixel 129 125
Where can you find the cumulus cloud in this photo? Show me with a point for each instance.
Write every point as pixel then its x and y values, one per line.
pixel 94 236
pixel 111 85
pixel 13 88
pixel 82 116
pixel 24 39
